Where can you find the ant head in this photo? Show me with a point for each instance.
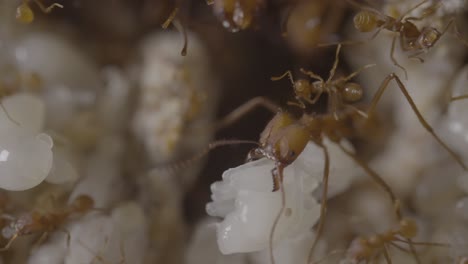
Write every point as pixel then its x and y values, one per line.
pixel 291 143
pixel 24 13
pixel 429 37
pixel 365 21
pixel 352 92
pixel 83 203
pixel 408 228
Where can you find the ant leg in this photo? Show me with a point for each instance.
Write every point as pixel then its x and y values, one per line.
pixel 392 57
pixel 460 97
pixel 8 245
pixel 411 251
pixel 352 75
pixel 300 104
pixel 68 236
pixel 312 75
pixel 7 114
pixel 246 108
pixel 315 99
pixel 277 174
pixel 335 63
pixel 41 239
pixel 421 119
pixel 171 17
pixel 287 73
pixel 434 244
pixel 386 255
pixel 376 177
pixel 49 8
pixel 415 56
pixel 411 10
pixel 323 207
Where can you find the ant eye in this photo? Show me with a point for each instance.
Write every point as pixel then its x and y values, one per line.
pixel 292 153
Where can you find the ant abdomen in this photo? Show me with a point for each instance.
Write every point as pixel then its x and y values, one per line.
pixel 352 92
pixel 365 21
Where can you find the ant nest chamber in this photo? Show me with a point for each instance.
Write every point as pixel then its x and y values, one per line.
pixel 233 131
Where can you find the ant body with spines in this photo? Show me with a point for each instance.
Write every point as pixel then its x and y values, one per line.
pixel 340 91
pixel 411 38
pixel 25 14
pixel 36 222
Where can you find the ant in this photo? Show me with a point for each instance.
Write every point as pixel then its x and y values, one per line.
pixel 25 14
pixel 285 137
pixel 411 38
pixel 36 222
pixel 366 249
pixel 341 92
pixel 236 15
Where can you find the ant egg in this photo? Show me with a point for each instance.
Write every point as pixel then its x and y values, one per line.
pixel 246 202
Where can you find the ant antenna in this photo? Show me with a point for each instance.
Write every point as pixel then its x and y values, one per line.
pixel 287 73
pixel 172 168
pixel 335 64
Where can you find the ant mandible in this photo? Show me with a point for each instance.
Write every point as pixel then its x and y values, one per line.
pixel 25 14
pixel 36 222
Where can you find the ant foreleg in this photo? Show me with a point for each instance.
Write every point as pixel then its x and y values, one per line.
pixel 246 108
pixel 421 119
pixel 277 174
pixel 460 97
pixel 8 245
pixel 323 207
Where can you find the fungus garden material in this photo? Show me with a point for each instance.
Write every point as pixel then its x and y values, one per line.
pixel 248 132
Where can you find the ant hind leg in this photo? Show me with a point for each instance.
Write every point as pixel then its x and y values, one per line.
pixel 323 207
pixel 421 119
pixel 392 57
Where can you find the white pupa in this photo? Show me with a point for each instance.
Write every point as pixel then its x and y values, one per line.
pixel 246 202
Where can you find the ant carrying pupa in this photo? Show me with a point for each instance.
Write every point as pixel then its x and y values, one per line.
pixel 25 14
pixel 412 39
pixel 364 249
pixel 45 223
pixel 285 137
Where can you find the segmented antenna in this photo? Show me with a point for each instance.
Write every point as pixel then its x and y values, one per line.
pixel 176 166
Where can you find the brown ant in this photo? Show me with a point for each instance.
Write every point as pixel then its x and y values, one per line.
pixel 411 38
pixel 236 15
pixel 366 249
pixel 25 14
pixel 36 222
pixel 341 92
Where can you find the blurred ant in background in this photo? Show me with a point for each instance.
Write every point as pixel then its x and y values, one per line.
pixel 25 14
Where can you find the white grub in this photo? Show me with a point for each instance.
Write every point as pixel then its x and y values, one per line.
pixel 26 156
pixel 110 239
pixel 204 249
pixel 51 252
pixel 246 202
pixel 177 98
